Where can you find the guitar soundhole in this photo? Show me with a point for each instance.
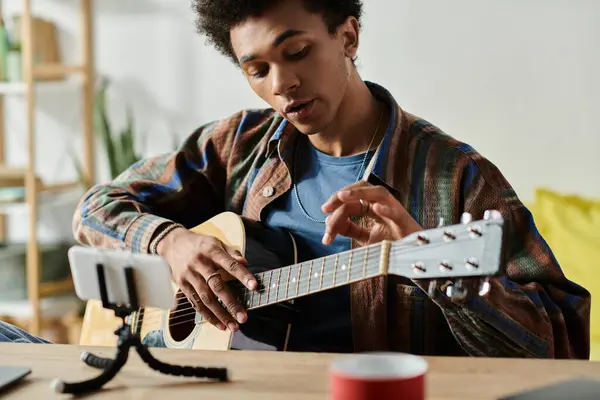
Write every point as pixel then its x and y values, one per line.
pixel 181 319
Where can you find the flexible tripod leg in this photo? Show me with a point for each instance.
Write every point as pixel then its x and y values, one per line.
pixel 95 361
pixel 168 369
pixel 96 383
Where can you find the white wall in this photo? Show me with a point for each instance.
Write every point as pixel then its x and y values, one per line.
pixel 516 79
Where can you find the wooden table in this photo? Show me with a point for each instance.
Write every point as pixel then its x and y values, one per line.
pixel 270 375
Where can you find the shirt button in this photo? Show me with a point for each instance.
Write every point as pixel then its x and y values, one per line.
pixel 268 191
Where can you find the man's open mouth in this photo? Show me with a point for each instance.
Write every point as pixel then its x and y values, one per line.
pixel 298 106
pixel 300 110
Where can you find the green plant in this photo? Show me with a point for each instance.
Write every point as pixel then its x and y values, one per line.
pixel 119 146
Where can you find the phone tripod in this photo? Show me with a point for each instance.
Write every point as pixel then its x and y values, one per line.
pixel 127 340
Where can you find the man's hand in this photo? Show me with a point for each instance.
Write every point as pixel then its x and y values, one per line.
pixel 390 219
pixel 195 259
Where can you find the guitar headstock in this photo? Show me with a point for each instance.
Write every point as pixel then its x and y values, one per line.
pixel 471 249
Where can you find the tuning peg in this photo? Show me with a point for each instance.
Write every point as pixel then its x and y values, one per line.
pixel 423 239
pixel 474 231
pixel 432 287
pixel 484 287
pixel 472 264
pixel 466 218
pixel 457 291
pixel 419 267
pixel 492 215
pixel 449 236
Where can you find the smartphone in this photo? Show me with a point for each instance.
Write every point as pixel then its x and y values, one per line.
pixel 10 376
pixel 572 389
pixel 152 276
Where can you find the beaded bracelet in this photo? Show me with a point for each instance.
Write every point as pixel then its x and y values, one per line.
pixel 165 232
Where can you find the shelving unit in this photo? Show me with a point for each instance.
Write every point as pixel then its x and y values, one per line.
pixel 26 176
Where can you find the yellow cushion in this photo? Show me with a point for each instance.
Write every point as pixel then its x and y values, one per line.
pixel 571 226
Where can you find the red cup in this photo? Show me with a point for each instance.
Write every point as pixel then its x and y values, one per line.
pixel 378 376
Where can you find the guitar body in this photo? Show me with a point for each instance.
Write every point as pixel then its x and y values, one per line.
pixel 263 247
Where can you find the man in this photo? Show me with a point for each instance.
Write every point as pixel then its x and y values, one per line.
pixel 300 165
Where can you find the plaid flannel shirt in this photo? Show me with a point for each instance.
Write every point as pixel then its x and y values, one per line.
pixel 240 164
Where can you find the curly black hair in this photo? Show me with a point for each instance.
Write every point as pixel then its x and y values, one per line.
pixel 215 18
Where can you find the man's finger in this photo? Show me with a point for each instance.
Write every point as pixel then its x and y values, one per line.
pixel 235 254
pixel 372 194
pixel 398 219
pixel 208 299
pixel 234 266
pixel 392 214
pixel 339 223
pixel 334 201
pixel 189 292
pixel 216 283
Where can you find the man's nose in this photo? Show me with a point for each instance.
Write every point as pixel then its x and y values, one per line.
pixel 284 80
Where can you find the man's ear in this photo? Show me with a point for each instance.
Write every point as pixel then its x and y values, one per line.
pixel 350 33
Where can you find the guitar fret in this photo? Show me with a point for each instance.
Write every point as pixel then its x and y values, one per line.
pixel 281 293
pixel 278 280
pixel 340 267
pixel 245 298
pixel 252 298
pixel 328 271
pixel 337 257
pixel 269 286
pixel 264 289
pixel 365 262
pixel 349 266
pixel 321 277
pixel 298 280
pixel 309 277
pixel 287 282
pixel 260 279
pixel 276 285
pixel 374 267
pixel 358 273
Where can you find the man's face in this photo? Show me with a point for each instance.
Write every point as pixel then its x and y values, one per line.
pixel 294 64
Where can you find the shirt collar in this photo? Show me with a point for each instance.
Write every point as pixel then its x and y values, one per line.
pixel 287 130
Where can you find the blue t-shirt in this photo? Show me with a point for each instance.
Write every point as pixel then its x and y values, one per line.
pixel 324 317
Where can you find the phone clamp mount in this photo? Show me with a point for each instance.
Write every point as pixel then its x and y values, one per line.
pixel 126 340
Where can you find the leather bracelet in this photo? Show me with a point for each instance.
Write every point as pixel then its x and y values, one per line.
pixel 165 232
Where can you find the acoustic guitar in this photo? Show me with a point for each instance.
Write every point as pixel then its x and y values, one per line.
pixel 469 250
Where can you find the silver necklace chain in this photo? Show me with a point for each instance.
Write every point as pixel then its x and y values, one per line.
pixel 295 188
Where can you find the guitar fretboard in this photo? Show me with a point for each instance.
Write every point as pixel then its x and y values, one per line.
pixel 297 280
pixel 465 250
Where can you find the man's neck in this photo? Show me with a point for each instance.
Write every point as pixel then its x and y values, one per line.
pixel 354 125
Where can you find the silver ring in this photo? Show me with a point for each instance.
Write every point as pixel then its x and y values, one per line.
pixel 214 274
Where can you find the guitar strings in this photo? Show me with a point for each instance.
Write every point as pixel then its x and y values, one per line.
pixel 246 292
pixel 298 283
pixel 316 268
pixel 183 312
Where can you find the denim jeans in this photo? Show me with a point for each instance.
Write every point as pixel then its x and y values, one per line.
pixel 154 339
pixel 11 334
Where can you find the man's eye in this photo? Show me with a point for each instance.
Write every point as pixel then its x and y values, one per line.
pixel 259 73
pixel 299 54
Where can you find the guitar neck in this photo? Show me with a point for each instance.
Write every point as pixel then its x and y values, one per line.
pixel 298 280
pixel 468 250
